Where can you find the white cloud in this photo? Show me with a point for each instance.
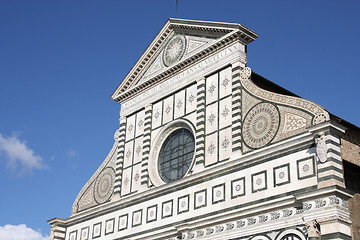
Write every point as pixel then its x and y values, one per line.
pixel 71 153
pixel 20 232
pixel 19 157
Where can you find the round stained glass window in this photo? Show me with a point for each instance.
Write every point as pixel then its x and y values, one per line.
pixel 176 155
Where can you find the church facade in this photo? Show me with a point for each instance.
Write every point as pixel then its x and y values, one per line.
pixel 208 149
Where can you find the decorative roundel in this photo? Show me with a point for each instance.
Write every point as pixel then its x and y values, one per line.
pixel 245 73
pixel 260 125
pixel 117 135
pixel 104 185
pixel 174 50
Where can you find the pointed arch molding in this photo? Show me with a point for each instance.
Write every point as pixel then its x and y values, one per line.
pixel 100 187
pixel 270 117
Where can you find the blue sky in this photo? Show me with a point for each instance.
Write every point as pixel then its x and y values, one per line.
pixel 61 60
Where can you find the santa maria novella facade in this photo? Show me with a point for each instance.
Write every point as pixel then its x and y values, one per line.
pixel 208 149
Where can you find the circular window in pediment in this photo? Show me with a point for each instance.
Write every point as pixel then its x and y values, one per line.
pixel 176 155
pixel 172 153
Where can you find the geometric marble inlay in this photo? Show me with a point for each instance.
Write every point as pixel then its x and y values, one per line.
pixel 260 125
pixel 104 185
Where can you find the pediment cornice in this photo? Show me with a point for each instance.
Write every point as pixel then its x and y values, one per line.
pixel 226 33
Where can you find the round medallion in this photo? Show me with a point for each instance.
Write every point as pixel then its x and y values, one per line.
pixel 104 185
pixel 306 168
pixel 260 125
pixel 174 50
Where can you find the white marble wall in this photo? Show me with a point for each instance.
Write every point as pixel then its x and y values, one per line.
pixel 218 117
pixel 262 180
pixel 130 181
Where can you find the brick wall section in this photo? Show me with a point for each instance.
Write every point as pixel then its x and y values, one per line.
pixel 350 146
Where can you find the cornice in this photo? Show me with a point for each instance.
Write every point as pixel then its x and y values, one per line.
pixel 143 60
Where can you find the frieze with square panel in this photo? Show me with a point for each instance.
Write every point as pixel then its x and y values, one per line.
pixel 96 230
pixel 238 187
pixel 73 235
pixel 306 168
pixel 200 199
pixel 218 193
pixel 85 233
pixel 167 209
pixel 183 204
pixel 151 213
pixel 123 222
pixel 137 218
pixel 281 175
pixel 109 226
pixel 259 181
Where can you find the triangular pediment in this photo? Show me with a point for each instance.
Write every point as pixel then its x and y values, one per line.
pixel 192 45
pixel 177 44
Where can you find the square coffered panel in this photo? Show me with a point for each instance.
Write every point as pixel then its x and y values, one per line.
pixel 211 121
pixel 128 153
pixel 137 218
pixel 225 144
pixel 259 181
pixel 183 204
pixel 167 209
pixel 168 109
pixel 306 168
pixel 136 174
pixel 212 88
pixel 138 149
pixel 123 222
pixel 225 82
pixel 218 193
pixel 200 199
pixel 157 115
pixel 126 181
pixel 225 116
pixel 179 104
pixel 191 98
pixel 151 213
pixel 140 120
pixel 281 175
pixel 130 127
pixel 238 187
pixel 211 149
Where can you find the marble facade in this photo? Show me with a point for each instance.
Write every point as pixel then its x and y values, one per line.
pixel 266 165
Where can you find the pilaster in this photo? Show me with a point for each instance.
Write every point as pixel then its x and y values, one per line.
pixel 120 158
pixel 146 148
pixel 328 154
pixel 58 229
pixel 200 127
pixel 236 107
